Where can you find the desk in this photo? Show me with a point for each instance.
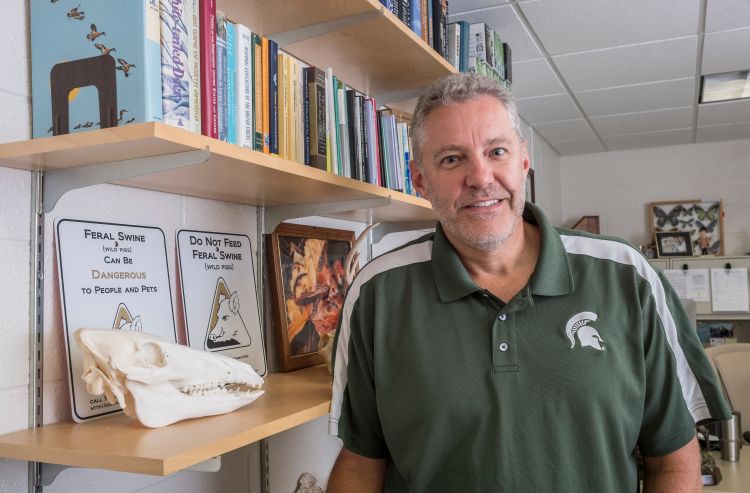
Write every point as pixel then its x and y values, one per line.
pixel 735 475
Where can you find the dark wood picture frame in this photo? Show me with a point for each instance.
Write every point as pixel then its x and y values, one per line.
pixel 690 216
pixel 306 270
pixel 674 244
pixel 530 187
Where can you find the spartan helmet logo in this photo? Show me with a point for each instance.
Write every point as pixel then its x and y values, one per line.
pixel 587 335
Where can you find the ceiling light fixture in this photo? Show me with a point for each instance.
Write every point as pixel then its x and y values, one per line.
pixel 725 86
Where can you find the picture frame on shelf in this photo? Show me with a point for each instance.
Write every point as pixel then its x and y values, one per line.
pixel 306 272
pixel 674 244
pixel 703 220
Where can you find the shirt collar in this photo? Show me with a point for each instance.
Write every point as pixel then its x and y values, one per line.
pixel 551 277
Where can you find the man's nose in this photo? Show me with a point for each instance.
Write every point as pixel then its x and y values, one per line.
pixel 479 173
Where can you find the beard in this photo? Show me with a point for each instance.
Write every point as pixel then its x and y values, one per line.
pixel 480 234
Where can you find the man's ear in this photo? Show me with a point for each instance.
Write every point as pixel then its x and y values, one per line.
pixel 417 178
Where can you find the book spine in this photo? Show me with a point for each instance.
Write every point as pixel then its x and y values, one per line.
pixel 221 74
pixel 464 64
pixel 331 143
pixel 245 99
pixel 194 64
pixel 265 98
pixel 351 111
pixel 209 121
pixel 415 16
pixel 364 158
pixel 444 27
pixel 257 93
pixel 423 9
pixel 175 79
pixel 152 58
pixel 283 108
pixel 321 120
pixel 306 114
pixel 343 130
pixel 508 63
pixel 430 24
pixel 452 37
pixel 273 97
pixel 231 82
pixel 404 11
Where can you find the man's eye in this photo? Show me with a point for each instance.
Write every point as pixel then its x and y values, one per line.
pixel 449 160
pixel 499 152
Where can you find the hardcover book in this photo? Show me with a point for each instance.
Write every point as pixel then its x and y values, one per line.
pixel 231 80
pixel 175 63
pixel 209 119
pixel 316 93
pixel 107 51
pixel 221 74
pixel 245 96
pixel 194 58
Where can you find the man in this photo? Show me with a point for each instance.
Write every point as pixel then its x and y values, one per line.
pixel 502 354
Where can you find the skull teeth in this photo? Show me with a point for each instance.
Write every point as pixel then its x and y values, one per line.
pixel 219 388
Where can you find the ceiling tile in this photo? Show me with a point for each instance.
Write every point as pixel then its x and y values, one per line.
pixel 726 51
pixel 566 130
pixel 508 26
pixel 568 26
pixel 639 97
pixel 648 62
pixel 724 132
pixel 548 109
pixel 572 147
pixel 648 121
pixel 649 139
pixel 458 6
pixel 724 112
pixel 727 14
pixel 534 78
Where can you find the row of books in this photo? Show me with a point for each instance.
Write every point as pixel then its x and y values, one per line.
pixel 184 63
pixel 427 18
pixel 478 48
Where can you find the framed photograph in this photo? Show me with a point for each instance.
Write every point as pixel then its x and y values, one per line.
pixel 674 244
pixel 530 188
pixel 703 220
pixel 306 269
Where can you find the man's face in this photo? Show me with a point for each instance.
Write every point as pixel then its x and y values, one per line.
pixel 473 171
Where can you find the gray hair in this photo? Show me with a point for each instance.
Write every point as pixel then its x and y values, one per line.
pixel 458 88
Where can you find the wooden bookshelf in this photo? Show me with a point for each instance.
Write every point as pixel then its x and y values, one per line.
pixel 378 56
pixel 119 443
pixel 232 173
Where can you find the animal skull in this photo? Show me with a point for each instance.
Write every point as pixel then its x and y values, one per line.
pixel 160 383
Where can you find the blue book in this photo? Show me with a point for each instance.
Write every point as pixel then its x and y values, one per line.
pixel 231 82
pixel 464 56
pixel 415 20
pixel 109 40
pixel 175 64
pixel 273 96
pixel 221 73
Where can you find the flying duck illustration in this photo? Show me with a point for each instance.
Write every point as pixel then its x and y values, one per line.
pixel 104 49
pixel 75 14
pixel 94 33
pixel 130 121
pixel 124 66
pixel 122 112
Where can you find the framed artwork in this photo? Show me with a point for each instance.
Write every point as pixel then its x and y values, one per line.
pixel 674 244
pixel 703 220
pixel 306 269
pixel 530 189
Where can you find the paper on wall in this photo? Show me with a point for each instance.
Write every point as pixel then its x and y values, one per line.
pixel 729 290
pixel 690 284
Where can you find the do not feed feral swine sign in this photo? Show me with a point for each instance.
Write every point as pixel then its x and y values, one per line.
pixel 219 297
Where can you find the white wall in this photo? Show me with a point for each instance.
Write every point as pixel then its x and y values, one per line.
pixel 617 186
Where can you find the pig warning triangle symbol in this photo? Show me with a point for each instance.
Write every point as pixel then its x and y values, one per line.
pixel 226 329
pixel 125 321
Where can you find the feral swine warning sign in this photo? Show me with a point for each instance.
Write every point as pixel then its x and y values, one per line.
pixel 219 296
pixel 112 276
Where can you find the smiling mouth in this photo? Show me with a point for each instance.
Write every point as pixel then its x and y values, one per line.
pixel 483 204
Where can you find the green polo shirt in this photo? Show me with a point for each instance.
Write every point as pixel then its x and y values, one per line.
pixel 550 391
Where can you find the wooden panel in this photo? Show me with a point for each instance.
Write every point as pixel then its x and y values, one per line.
pixel 119 443
pixel 232 173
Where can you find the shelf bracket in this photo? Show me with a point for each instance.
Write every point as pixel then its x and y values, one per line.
pixel 395 227
pixel 285 38
pixel 49 472
pixel 275 215
pixel 57 182
pixel 396 96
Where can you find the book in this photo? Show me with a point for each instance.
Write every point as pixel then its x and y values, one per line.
pixel 245 78
pixel 343 124
pixel 498 57
pixel 454 45
pixel 404 12
pixel 316 88
pixel 508 63
pixel 194 58
pixel 231 81
pixel 175 64
pixel 258 92
pixel 477 44
pixel 68 48
pixel 207 17
pixel 306 115
pixel 415 16
pixel 331 144
pixel 424 21
pixel 273 97
pixel 464 55
pixel 355 139
pixel 221 74
pixel 283 109
pixel 265 107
